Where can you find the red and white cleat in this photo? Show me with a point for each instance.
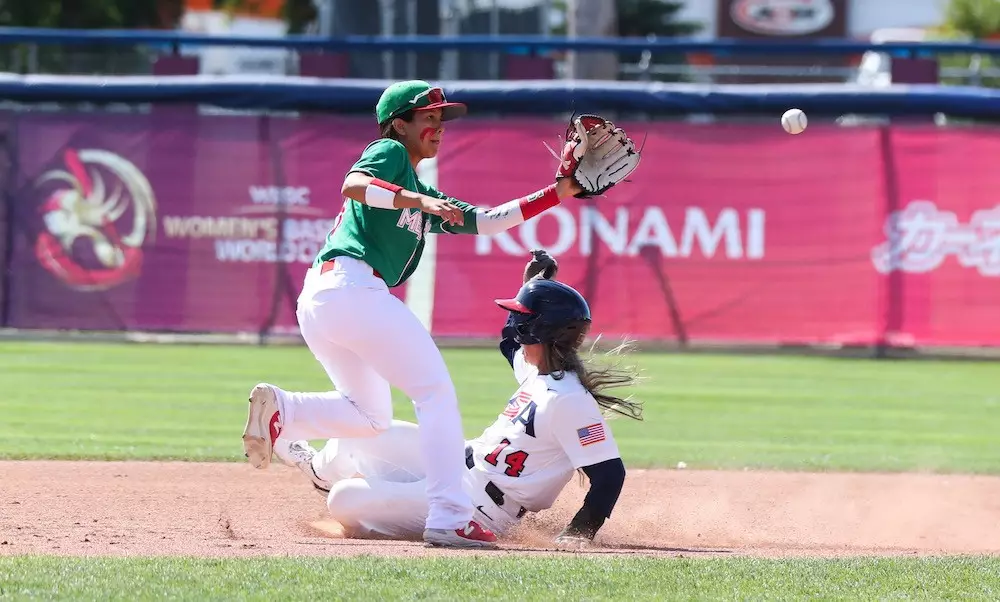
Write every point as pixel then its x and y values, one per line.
pixel 471 535
pixel 263 426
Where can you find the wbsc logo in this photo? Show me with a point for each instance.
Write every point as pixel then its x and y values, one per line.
pixel 98 210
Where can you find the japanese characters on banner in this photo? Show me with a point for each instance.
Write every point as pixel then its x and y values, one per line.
pixel 943 243
pixel 173 221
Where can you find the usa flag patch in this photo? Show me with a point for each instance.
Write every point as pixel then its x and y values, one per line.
pixel 514 405
pixel 591 434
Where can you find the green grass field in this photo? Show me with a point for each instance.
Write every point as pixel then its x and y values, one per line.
pixel 128 401
pixel 125 401
pixel 507 578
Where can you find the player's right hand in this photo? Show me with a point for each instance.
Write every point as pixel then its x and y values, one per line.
pixel 443 209
pixel 541 265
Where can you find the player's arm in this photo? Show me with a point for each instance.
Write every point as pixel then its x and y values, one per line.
pixel 489 221
pixel 382 194
pixel 371 181
pixel 511 350
pixel 606 481
pixel 588 443
pixel 508 346
pixel 541 265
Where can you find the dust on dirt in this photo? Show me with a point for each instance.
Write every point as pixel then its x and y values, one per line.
pixel 232 510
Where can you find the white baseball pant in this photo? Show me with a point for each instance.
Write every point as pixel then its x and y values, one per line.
pixel 366 339
pixel 378 488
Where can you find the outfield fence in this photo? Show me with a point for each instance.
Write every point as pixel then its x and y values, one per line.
pixel 195 205
pixel 464 53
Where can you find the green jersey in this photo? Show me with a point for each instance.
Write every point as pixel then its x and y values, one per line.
pixel 391 241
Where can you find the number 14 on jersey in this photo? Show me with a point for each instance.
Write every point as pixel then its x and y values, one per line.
pixel 514 459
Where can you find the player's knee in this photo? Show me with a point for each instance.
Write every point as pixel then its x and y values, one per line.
pixel 346 501
pixel 376 410
pixel 381 420
pixel 438 391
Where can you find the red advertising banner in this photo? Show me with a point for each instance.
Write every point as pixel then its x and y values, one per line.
pixel 738 233
pixel 943 245
pixel 728 232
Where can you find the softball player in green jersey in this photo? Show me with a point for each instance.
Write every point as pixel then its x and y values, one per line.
pixel 366 338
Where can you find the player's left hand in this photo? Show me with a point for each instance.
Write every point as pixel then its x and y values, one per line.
pixel 597 155
pixel 567 187
pixel 541 265
pixel 573 537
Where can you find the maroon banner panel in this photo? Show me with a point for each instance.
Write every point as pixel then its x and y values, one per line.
pixel 171 220
pixel 738 233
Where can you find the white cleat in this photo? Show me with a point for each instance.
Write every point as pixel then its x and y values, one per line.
pixel 471 536
pixel 263 426
pixel 302 455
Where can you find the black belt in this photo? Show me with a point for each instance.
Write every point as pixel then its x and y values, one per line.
pixel 491 489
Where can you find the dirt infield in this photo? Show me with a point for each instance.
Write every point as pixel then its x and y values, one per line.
pixel 200 509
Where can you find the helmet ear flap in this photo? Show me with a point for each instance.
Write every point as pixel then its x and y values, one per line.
pixel 523 330
pixel 574 334
pixel 583 331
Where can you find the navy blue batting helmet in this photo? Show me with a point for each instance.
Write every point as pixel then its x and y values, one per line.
pixel 547 311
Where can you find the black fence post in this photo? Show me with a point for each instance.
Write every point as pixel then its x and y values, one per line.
pixel 282 290
pixel 892 314
pixel 9 184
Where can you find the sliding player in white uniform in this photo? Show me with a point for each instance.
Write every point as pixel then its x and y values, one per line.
pixel 551 426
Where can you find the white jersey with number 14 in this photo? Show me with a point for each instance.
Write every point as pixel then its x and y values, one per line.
pixel 550 428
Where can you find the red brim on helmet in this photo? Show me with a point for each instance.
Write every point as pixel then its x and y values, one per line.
pixel 513 305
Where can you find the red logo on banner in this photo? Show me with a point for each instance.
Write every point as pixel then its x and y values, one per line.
pixel 97 217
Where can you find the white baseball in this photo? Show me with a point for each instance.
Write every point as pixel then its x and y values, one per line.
pixel 794 121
